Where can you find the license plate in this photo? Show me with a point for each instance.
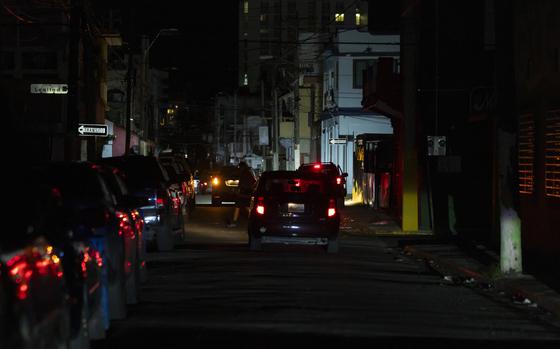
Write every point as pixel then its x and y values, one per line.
pixel 296 208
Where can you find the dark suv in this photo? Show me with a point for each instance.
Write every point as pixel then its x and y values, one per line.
pixel 183 175
pixel 333 172
pixel 147 180
pixel 294 207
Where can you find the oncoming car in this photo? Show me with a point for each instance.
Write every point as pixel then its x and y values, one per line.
pixel 294 207
pixel 226 186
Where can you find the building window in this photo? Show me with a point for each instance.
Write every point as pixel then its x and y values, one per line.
pixel 339 14
pixel 360 65
pixel 358 17
pixel 246 6
pixel 552 154
pixel 526 151
pixel 339 18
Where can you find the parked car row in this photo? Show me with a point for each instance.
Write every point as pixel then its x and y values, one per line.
pixel 77 257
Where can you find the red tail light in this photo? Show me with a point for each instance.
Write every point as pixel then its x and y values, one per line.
pixel 260 205
pixel 159 201
pixel 332 208
pixel 338 180
pixel 125 225
pixel 317 166
pixel 21 273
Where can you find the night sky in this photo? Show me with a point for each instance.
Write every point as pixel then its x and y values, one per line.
pixel 203 57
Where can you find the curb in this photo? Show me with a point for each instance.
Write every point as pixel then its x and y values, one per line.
pixel 523 288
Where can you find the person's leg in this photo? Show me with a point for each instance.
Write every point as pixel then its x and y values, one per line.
pixel 236 214
pixel 233 222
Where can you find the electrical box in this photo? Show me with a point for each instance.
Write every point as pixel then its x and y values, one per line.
pixel 437 145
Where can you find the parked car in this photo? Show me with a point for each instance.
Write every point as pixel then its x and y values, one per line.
pixel 181 166
pixel 225 185
pixel 333 172
pixel 146 179
pixel 179 196
pixel 94 219
pixel 131 226
pixel 34 307
pixel 294 207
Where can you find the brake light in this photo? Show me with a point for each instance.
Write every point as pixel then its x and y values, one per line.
pixel 332 208
pixel 260 205
pixel 21 273
pixel 317 166
pixel 125 226
pixel 338 180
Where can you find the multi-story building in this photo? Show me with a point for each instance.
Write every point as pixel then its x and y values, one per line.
pixel 342 118
pixel 269 31
pixel 275 38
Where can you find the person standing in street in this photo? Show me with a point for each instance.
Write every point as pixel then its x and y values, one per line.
pixel 246 185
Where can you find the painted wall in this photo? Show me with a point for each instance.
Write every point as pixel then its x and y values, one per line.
pixel 348 126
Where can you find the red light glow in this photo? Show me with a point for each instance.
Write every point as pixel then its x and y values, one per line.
pixel 332 208
pixel 260 205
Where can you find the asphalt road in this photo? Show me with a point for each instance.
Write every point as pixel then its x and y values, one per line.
pixel 212 291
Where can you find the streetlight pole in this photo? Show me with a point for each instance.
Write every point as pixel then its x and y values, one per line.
pixel 145 65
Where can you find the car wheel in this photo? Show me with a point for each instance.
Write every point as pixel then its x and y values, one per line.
pixel 255 243
pixel 332 246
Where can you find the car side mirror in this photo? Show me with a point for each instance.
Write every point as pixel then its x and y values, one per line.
pixel 345 174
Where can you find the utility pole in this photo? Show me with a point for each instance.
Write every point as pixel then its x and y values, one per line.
pixel 275 160
pixel 128 115
pixel 129 74
pixel 235 124
pixel 73 114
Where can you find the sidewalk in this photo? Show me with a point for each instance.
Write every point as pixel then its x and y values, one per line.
pixel 456 262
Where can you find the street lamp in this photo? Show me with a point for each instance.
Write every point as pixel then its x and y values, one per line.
pixel 145 48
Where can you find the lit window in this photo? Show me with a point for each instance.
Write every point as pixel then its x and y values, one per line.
pixel 552 154
pixel 339 17
pixel 358 17
pixel 246 6
pixel 245 79
pixel 526 153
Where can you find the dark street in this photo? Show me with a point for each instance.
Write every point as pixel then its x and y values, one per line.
pixel 280 174
pixel 212 290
